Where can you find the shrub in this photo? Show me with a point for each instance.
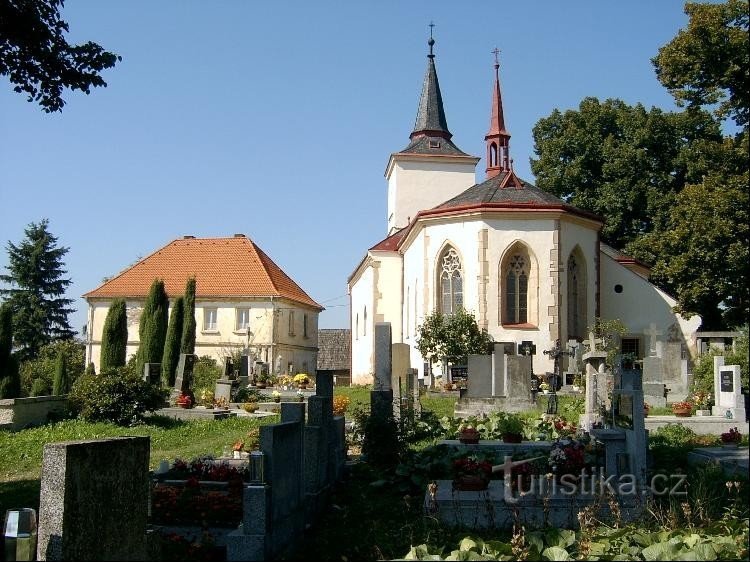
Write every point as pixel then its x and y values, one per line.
pixel 40 387
pixel 115 395
pixel 381 446
pixel 44 365
pixel 205 373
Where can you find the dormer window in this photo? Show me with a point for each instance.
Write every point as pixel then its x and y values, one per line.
pixel 433 144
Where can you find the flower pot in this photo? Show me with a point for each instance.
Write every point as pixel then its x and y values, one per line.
pixel 681 412
pixel 470 483
pixel 469 437
pixel 277 399
pixel 302 385
pixel 512 438
pixel 703 412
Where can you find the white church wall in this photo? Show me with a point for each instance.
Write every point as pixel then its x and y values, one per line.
pixel 640 303
pixel 417 184
pixel 573 234
pixel 388 294
pixel 538 236
pixel 362 302
pixel 414 265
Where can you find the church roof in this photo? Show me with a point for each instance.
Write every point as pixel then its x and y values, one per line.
pixel 497 190
pixel 431 134
pixel 390 243
pixel 222 267
pixel 618 256
pixel 334 349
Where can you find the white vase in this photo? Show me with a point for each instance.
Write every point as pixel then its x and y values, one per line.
pixel 703 412
pixel 236 454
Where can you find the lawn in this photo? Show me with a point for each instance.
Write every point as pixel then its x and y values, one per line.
pixel 21 452
pixel 359 395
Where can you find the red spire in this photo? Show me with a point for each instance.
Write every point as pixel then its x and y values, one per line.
pixel 497 138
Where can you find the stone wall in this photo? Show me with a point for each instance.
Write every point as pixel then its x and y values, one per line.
pixel 19 413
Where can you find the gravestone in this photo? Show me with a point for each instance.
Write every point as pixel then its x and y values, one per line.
pixel 499 352
pixel 152 373
pixel 400 365
pixel 184 378
pixel 479 379
pixel 228 368
pixel 415 391
pixel 223 390
pixel 730 403
pixel 381 395
pixel 574 362
pixel 94 500
pixel 595 365
pixel 244 366
pixel 675 371
pixel 654 389
pixel 518 381
pixel 652 333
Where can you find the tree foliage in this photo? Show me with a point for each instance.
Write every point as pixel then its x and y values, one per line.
pixel 451 336
pixel 114 337
pixel 172 346
pixel 60 384
pixel 9 386
pixel 187 344
pixel 41 370
pixel 38 59
pixel 153 327
pixel 36 290
pixel 622 162
pixel 707 63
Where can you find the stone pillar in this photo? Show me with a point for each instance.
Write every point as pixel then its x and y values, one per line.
pixel 594 362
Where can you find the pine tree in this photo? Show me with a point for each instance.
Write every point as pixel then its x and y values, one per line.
pixel 8 367
pixel 153 327
pixel 188 326
pixel 60 383
pixel 37 286
pixel 172 345
pixel 114 337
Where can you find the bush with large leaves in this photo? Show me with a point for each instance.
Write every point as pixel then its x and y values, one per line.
pixel 115 395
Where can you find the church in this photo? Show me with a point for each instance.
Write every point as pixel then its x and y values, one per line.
pixel 529 266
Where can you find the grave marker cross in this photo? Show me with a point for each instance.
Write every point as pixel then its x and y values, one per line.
pixel 652 332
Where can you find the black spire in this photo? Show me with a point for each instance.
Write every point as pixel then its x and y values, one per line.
pixel 430 115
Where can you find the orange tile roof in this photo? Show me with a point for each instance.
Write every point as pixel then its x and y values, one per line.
pixel 223 267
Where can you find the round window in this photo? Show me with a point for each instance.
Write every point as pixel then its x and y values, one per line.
pixel 618 288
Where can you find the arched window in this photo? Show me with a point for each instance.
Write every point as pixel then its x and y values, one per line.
pixel 518 291
pixel 451 282
pixel 356 326
pixel 364 324
pixel 493 155
pixel 576 295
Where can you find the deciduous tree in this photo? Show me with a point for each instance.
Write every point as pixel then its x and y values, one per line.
pixel 37 58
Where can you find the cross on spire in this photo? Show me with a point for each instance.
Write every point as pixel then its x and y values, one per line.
pixel 496 52
pixel 431 41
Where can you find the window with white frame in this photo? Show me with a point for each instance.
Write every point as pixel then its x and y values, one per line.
pixel 291 322
pixel 242 319
pixel 209 319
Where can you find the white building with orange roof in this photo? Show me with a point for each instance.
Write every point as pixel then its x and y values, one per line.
pixel 243 301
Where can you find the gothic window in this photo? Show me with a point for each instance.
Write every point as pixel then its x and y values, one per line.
pixel 576 271
pixel 493 155
pixel 517 290
pixel 451 282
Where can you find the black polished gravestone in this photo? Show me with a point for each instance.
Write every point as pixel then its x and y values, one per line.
pixel 184 378
pixel 727 381
pixel 244 365
pixel 228 368
pixel 152 373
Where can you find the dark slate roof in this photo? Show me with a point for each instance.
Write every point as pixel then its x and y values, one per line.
pixel 489 191
pixel 618 256
pixel 433 145
pixel 334 349
pixel 430 115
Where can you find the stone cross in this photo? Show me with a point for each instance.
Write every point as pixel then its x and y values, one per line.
pixel 652 332
pixel 593 341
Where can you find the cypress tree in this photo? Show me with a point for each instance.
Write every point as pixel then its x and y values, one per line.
pixel 90 370
pixel 8 367
pixel 188 326
pixel 172 346
pixel 114 337
pixel 153 327
pixel 60 382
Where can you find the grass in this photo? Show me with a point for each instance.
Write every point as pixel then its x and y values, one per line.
pixel 21 452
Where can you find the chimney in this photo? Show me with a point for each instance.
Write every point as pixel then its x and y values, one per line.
pixel 188 237
pixel 239 235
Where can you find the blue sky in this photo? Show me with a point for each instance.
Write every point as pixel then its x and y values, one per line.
pixel 277 119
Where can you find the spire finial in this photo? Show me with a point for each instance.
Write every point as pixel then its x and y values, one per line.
pixel 496 52
pixel 431 41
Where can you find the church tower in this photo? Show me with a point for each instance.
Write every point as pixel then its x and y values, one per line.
pixel 431 169
pixel 497 138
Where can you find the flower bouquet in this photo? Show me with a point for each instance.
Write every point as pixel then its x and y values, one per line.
pixel 731 438
pixel 276 396
pixel 302 380
pixel 702 401
pixel 340 405
pixel 682 409
pixel 544 387
pixel 184 401
pixel 471 474
pixel 468 434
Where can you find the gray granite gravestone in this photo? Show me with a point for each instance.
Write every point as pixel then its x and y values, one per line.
pixel 518 378
pixel 653 378
pixel 223 390
pixel 479 379
pixel 184 377
pixel 381 396
pixel 94 500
